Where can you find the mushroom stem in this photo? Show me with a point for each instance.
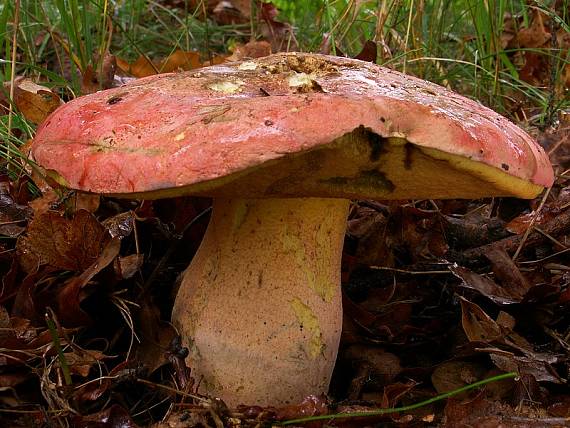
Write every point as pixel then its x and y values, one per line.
pixel 260 306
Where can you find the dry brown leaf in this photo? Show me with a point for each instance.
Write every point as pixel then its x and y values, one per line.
pixel 279 34
pixel 80 360
pixel 181 60
pixel 156 337
pixel 483 285
pixel 310 406
pixel 252 49
pixel 91 391
pixel 177 61
pixel 102 77
pixel 540 370
pixel 452 375
pixel 478 326
pixel 126 267
pixel 34 101
pixel 112 417
pixel 228 12
pixel 61 243
pixel 13 216
pixel 70 296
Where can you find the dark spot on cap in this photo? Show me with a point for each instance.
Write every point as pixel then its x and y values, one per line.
pixel 505 166
pixel 114 100
pixel 268 123
pixel 382 119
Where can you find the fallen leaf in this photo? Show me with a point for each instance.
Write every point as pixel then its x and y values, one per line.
pixel 126 267
pixel 92 391
pixel 181 60
pixel 478 326
pixel 156 337
pixel 369 52
pixel 374 368
pixel 511 278
pixel 13 216
pixel 483 413
pixel 80 361
pixel 230 12
pixel 177 61
pixel 99 77
pixel 540 370
pixel 310 406
pixel 69 296
pixel 34 101
pixel 483 285
pixel 120 225
pixel 394 393
pixel 279 34
pixel 252 49
pixel 452 375
pixel 60 243
pixel 112 417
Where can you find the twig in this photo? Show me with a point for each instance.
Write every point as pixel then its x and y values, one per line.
pixel 531 225
pixel 559 224
pixel 173 390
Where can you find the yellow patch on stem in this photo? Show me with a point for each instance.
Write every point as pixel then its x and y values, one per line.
pixel 310 323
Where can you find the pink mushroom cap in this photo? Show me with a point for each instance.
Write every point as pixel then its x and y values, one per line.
pixel 175 131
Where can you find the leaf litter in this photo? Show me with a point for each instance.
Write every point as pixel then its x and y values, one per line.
pixel 433 299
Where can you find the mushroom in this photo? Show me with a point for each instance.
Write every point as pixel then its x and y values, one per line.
pixel 282 143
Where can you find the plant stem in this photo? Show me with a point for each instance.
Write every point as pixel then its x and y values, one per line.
pixel 380 412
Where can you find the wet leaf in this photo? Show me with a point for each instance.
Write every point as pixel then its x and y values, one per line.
pixel 120 225
pixel 61 243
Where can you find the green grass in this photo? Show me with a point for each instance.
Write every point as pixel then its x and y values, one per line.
pixel 451 42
